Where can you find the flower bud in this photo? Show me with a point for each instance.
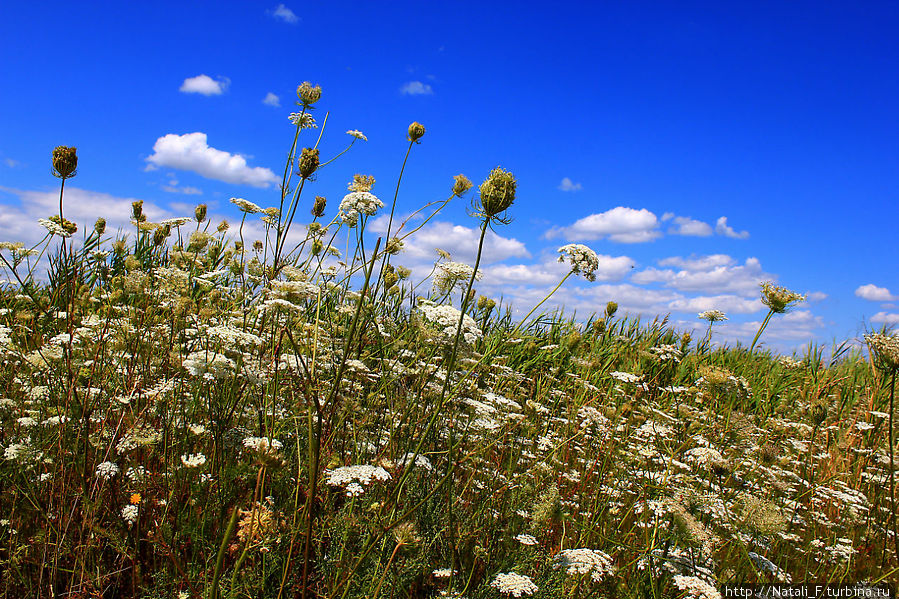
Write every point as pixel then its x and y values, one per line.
pixel 308 162
pixel 416 131
pixel 159 236
pixel 223 226
pixel 309 94
pixel 611 308
pixel 65 162
pixel 137 210
pixel 497 192
pixel 318 208
pixel 100 226
pixel 461 185
pixel 200 213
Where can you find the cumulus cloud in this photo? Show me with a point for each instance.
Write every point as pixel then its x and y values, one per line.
pixel 722 228
pixel 568 185
pixel 271 99
pixel 11 163
pixel 190 152
pixel 886 318
pixel 81 206
pixel 874 293
pixel 620 224
pixel 715 273
pixel 283 13
pixel 727 303
pixel 205 85
pixel 173 187
pixel 416 88
pixel 684 225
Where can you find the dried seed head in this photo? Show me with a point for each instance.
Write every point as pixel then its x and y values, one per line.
pixel 200 213
pixel 100 226
pixel 885 350
pixel 416 131
pixel 308 94
pixel 318 208
pixel 308 162
pixel 497 192
pixel 137 210
pixel 461 184
pixel 611 308
pixel 599 326
pixel 65 162
pixel 67 225
pixel 394 246
pixel 159 236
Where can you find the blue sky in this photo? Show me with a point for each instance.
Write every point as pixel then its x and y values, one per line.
pixel 632 127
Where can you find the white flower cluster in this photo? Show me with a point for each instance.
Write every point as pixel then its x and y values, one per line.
pixel 53 228
pixel 447 319
pixel 696 587
pixel 355 203
pixel 705 456
pixel 107 470
pixel 304 119
pixel 262 444
pixel 453 273
pixel 209 365
pixel 666 352
pixel 626 377
pixel 293 290
pixel 357 134
pixel 580 562
pixel 514 584
pixel 712 315
pixel 193 460
pixel 583 260
pixel 129 514
pixel 526 539
pixel 246 205
pixel 354 479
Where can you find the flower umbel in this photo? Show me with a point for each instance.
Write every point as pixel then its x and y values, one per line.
pixel 583 260
pixel 779 299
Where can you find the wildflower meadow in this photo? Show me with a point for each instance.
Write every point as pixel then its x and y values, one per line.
pixel 188 411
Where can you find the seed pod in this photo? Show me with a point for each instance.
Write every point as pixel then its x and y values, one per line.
pixel 461 184
pixel 416 131
pixel 309 94
pixel 318 208
pixel 497 192
pixel 65 162
pixel 611 308
pixel 100 226
pixel 308 162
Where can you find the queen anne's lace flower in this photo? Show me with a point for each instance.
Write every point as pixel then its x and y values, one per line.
pixel 107 470
pixel 696 587
pixel 447 320
pixel 246 205
pixel 583 260
pixel 53 228
pixel 712 315
pixel 355 203
pixel 303 119
pixel 354 479
pixel 580 562
pixel 514 584
pixel 129 514
pixel 357 134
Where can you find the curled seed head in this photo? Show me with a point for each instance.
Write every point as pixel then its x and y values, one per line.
pixel 200 213
pixel 416 131
pixel 318 208
pixel 497 192
pixel 309 94
pixel 308 162
pixel 65 162
pixel 100 226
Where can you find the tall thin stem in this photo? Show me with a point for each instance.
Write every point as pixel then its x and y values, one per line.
pixel 893 469
pixel 761 328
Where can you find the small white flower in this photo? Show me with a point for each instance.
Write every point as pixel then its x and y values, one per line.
pixel 246 205
pixel 303 119
pixel 107 470
pixel 129 514
pixel 357 134
pixel 583 260
pixel 526 539
pixel 514 584
pixel 194 460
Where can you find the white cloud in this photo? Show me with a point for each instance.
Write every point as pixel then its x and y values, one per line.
pixel 416 88
pixel 190 152
pixel 729 304
pixel 620 224
pixel 886 318
pixel 568 185
pixel 690 227
pixel 11 163
pixel 172 187
pixel 698 262
pixel 874 293
pixel 722 228
pixel 204 84
pixel 284 13
pixel 715 273
pixel 271 99
pixel 551 271
pixel 816 296
pixel 81 206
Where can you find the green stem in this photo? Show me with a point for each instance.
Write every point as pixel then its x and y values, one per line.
pixel 761 328
pixel 893 468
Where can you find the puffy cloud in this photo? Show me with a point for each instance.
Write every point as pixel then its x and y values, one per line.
pixel 172 187
pixel 206 85
pixel 271 99
pixel 549 272
pixel 722 228
pixel 729 304
pixel 416 88
pixel 714 274
pixel 698 262
pixel 620 224
pixel 190 152
pixel 874 293
pixel 684 225
pixel 886 318
pixel 283 13
pixel 569 185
